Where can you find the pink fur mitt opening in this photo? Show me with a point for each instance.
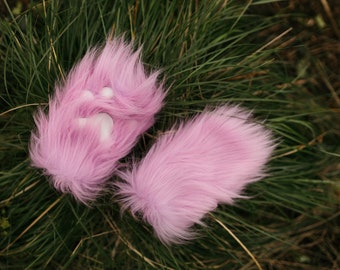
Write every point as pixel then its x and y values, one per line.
pixel 94 119
pixel 192 168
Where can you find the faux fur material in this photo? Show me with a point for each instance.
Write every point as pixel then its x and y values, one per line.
pixel 192 168
pixel 94 119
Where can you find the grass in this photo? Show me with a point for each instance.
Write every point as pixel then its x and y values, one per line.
pixel 210 53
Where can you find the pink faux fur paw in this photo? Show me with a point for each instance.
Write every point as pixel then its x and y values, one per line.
pixel 95 117
pixel 192 168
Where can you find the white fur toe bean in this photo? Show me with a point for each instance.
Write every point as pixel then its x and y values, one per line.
pixel 107 92
pixel 81 122
pixel 87 94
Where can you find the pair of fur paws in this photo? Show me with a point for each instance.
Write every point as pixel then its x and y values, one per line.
pixel 96 117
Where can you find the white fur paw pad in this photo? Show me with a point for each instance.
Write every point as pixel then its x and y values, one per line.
pixel 101 119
